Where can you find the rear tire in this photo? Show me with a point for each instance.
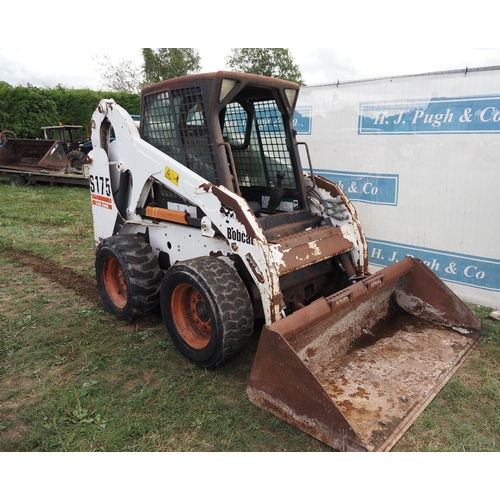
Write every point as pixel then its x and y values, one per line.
pixel 76 160
pixel 17 181
pixel 207 310
pixel 128 276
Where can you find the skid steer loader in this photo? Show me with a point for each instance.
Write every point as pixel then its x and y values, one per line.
pixel 206 213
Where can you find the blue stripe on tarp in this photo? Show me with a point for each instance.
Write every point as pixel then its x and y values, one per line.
pixel 462 115
pixel 470 270
pixel 379 189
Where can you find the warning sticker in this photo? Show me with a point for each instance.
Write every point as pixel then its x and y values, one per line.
pixel 102 201
pixel 172 176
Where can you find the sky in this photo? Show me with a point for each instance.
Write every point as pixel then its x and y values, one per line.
pixel 34 65
pixel 47 46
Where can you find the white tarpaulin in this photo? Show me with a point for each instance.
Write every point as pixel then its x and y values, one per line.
pixel 420 158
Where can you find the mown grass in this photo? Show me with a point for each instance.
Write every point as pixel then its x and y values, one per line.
pixel 52 222
pixel 74 378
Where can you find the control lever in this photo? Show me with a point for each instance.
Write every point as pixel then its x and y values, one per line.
pixel 276 193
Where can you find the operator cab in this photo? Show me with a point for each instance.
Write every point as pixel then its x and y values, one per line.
pixel 233 129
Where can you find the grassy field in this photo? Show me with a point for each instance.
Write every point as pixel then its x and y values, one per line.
pixel 74 378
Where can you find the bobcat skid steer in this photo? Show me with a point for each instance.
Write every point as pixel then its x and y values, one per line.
pixel 206 213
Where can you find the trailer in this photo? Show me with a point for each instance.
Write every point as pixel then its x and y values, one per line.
pixel 26 177
pixel 418 157
pixel 29 161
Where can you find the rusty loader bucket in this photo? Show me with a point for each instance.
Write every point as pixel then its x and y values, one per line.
pixel 356 369
pixel 33 154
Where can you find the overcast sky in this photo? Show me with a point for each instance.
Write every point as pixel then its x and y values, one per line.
pixel 19 66
pixel 46 46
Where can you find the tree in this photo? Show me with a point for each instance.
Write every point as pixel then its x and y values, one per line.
pixel 277 63
pixel 158 65
pixel 122 77
pixel 163 64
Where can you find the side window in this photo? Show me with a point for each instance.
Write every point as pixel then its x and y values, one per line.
pixel 68 133
pixel 159 125
pixel 175 123
pixel 194 133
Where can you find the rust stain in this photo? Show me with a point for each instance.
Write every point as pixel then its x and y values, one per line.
pixel 310 352
pixel 360 393
pixel 239 212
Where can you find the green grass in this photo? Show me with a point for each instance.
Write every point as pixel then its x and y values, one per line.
pixel 74 378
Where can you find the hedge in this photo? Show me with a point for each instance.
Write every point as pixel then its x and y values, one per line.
pixel 24 110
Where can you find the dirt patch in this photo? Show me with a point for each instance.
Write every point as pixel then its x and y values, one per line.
pixel 15 432
pixel 60 274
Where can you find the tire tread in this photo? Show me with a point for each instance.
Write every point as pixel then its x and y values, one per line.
pixel 233 300
pixel 144 274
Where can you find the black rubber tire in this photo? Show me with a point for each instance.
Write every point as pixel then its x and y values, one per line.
pixel 17 180
pixel 207 310
pixel 76 160
pixel 128 276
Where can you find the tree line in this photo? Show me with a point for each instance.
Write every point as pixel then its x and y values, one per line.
pixel 25 109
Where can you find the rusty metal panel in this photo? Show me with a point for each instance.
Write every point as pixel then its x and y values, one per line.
pixel 356 369
pixel 280 384
pixel 33 154
pixel 382 388
pixel 311 246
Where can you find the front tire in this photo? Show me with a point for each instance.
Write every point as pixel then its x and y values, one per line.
pixel 207 310
pixel 128 276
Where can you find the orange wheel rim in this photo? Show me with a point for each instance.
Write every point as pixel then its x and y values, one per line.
pixel 114 281
pixel 191 316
